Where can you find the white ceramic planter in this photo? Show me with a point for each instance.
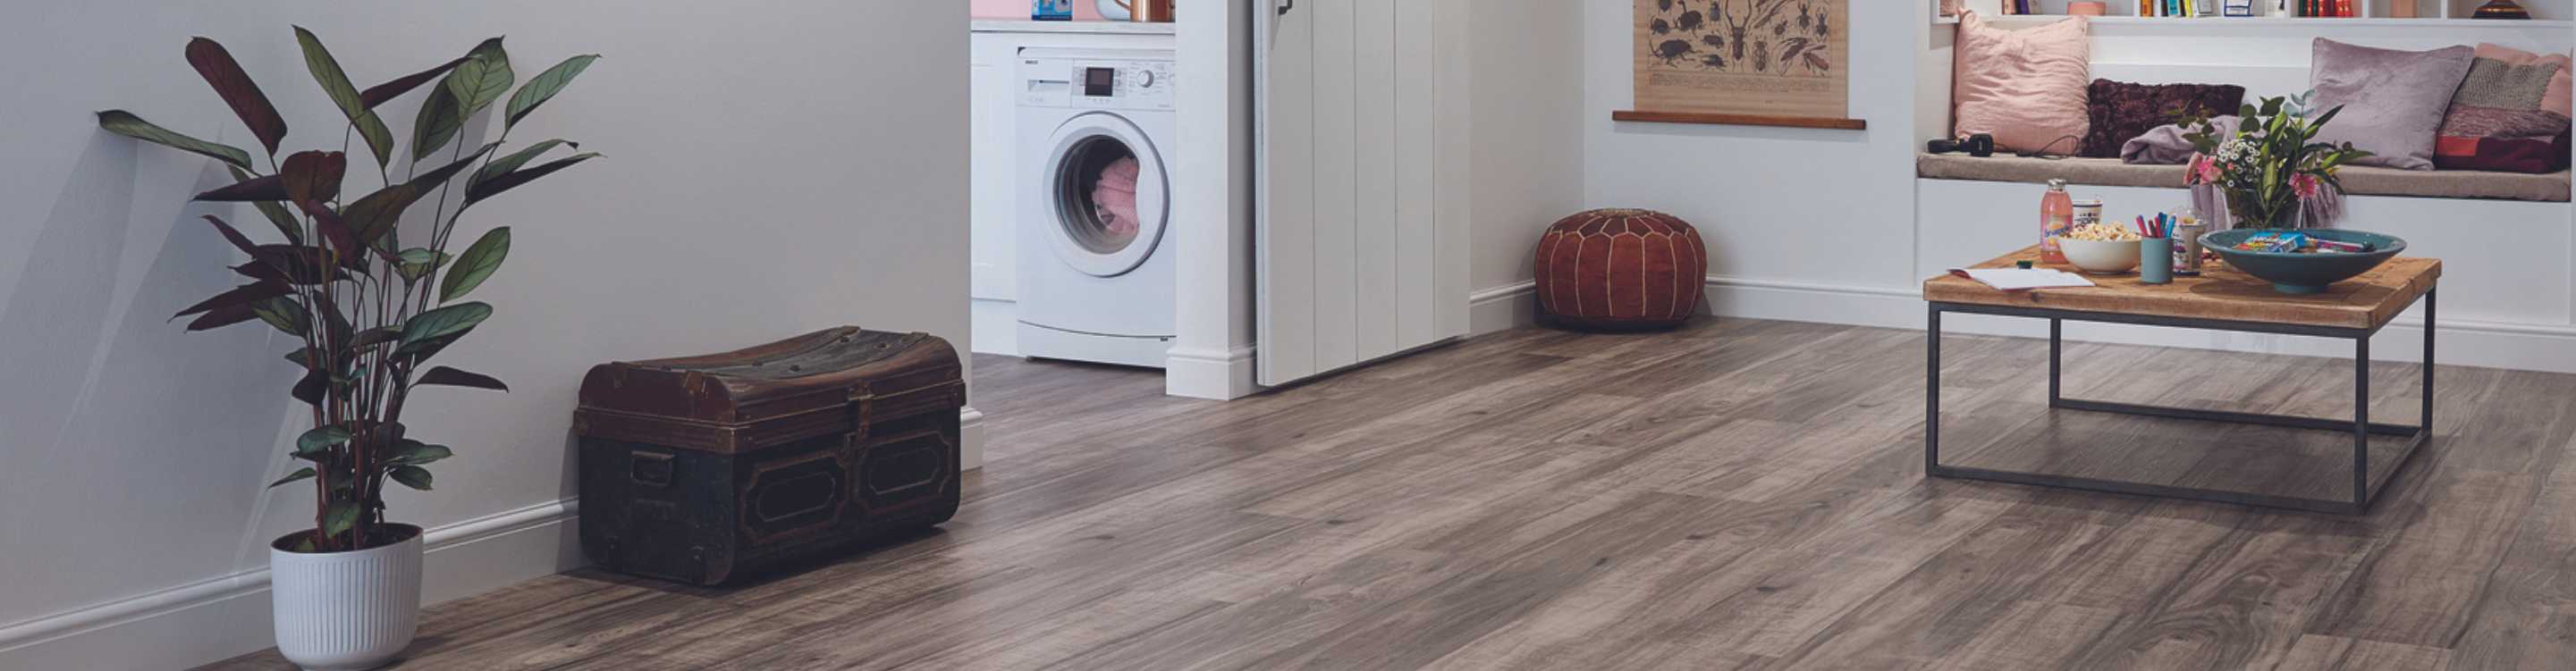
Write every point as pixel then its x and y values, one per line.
pixel 346 611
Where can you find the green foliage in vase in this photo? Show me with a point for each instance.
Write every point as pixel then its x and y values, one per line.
pixel 369 302
pixel 2272 163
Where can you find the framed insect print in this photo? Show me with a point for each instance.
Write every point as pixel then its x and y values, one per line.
pixel 1752 62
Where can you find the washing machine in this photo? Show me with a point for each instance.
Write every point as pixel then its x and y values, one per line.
pixel 1097 278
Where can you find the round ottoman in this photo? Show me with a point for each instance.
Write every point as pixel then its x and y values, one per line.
pixel 1620 270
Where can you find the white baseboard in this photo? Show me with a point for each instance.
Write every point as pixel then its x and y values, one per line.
pixel 1208 374
pixel 1502 308
pixel 2536 347
pixel 970 438
pixel 228 616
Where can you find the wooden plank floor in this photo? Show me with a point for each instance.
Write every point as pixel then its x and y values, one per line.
pixel 1739 494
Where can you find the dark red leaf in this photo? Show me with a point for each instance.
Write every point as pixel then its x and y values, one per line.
pixel 332 228
pixel 313 175
pixel 230 81
pixel 233 235
pixel 300 264
pixel 222 317
pixel 372 217
pixel 334 322
pixel 434 178
pixel 260 270
pixel 496 185
pixel 378 94
pixel 242 295
pixel 457 378
pixel 264 188
pixel 311 388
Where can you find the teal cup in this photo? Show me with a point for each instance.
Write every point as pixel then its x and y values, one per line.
pixel 2155 261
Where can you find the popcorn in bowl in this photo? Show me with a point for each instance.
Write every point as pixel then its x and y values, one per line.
pixel 2102 233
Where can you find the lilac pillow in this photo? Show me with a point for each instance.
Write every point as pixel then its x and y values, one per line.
pixel 2393 101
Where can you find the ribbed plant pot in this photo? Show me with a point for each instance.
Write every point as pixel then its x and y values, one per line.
pixel 346 611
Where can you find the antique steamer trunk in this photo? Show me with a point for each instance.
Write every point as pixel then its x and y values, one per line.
pixel 702 469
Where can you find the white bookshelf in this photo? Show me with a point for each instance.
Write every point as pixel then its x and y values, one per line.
pixel 2559 14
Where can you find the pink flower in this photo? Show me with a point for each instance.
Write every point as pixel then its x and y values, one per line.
pixel 2307 186
pixel 2204 170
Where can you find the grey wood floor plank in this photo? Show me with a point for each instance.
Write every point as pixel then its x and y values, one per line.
pixel 1736 494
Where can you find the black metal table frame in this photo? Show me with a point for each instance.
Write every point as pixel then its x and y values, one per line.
pixel 2364 490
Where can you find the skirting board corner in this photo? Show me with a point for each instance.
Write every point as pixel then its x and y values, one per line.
pixel 1210 375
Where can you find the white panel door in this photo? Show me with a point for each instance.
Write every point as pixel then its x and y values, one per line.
pixel 1360 227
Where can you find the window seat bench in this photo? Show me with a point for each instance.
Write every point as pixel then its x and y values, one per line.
pixel 2358 181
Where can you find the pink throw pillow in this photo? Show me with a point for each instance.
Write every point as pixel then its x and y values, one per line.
pixel 2025 87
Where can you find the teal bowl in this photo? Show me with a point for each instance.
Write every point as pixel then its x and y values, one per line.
pixel 2293 273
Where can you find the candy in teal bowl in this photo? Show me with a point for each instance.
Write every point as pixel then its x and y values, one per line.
pixel 2295 273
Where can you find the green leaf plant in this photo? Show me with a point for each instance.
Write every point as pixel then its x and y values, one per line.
pixel 368 302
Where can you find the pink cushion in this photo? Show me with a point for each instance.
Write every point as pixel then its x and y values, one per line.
pixel 2509 63
pixel 2025 87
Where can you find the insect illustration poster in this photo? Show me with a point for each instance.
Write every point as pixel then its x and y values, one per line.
pixel 1773 58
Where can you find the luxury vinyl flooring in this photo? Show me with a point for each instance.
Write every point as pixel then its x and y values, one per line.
pixel 1739 494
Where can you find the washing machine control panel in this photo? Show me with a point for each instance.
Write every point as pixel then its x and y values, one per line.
pixel 1098 84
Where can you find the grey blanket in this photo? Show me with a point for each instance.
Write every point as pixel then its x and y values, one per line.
pixel 2165 145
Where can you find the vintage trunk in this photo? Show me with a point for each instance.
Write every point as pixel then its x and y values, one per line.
pixel 702 469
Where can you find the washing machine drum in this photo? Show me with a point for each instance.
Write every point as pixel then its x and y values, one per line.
pixel 1109 195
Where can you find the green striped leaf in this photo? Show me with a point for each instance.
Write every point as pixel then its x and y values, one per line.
pixel 284 313
pixel 475 265
pixel 439 121
pixel 482 78
pixel 544 87
pixel 512 161
pixel 414 477
pixel 335 83
pixel 305 473
pixel 127 124
pixel 442 322
pixel 313 443
pixel 339 517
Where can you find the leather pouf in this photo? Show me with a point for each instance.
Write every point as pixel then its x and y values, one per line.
pixel 1620 270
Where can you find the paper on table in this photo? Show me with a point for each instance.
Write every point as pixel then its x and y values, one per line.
pixel 2015 279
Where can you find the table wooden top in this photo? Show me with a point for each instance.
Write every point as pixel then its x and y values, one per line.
pixel 2220 292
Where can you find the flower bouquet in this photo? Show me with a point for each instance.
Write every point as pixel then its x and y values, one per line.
pixel 2269 166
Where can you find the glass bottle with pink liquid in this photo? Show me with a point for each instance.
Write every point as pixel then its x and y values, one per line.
pixel 2056 218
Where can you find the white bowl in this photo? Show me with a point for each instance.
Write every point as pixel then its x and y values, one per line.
pixel 2101 257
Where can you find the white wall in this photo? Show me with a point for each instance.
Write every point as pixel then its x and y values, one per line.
pixel 1526 132
pixel 771 168
pixel 1211 355
pixel 1778 207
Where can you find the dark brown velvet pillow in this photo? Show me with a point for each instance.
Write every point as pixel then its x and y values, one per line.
pixel 2123 111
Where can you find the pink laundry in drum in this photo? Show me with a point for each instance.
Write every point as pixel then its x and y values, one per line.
pixel 1114 198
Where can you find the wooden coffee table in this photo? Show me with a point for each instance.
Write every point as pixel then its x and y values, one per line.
pixel 2221 299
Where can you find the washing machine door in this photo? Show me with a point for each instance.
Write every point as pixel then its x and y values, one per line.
pixel 1107 193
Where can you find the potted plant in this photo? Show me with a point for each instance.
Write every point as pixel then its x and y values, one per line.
pixel 2269 167
pixel 370 304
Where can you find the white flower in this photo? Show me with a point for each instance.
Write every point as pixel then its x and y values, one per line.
pixel 2235 150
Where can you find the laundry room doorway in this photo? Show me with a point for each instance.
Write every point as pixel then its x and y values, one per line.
pixel 1073 125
